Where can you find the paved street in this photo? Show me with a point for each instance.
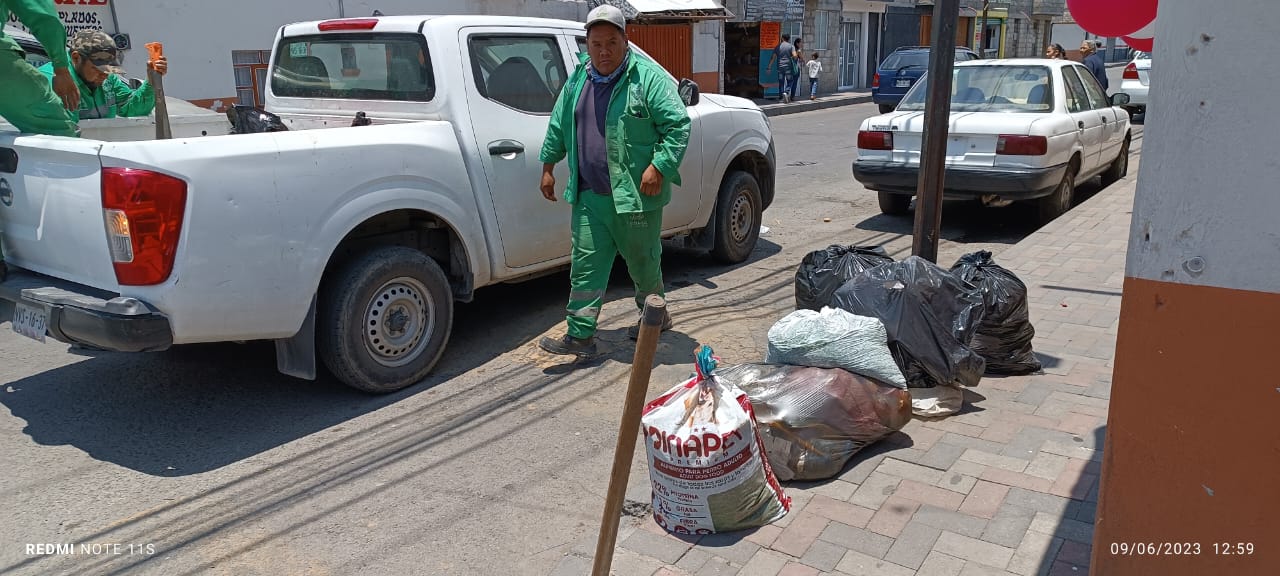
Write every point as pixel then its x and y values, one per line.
pixel 499 462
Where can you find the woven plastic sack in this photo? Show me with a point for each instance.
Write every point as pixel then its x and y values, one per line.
pixel 1004 336
pixel 824 271
pixel 707 464
pixel 834 338
pixel 813 420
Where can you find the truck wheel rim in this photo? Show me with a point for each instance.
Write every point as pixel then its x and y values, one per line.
pixel 398 322
pixel 741 218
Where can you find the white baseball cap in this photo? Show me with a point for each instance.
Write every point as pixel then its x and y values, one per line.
pixel 607 13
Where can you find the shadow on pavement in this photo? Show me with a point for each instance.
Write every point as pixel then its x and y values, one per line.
pixel 1069 551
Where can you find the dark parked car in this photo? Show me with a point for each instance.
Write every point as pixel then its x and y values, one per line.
pixel 900 71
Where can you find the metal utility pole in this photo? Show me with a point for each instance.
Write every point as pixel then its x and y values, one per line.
pixel 937 115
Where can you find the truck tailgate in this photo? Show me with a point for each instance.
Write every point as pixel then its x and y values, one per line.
pixel 51 218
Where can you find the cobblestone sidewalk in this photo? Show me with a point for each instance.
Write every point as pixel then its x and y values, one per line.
pixel 1010 486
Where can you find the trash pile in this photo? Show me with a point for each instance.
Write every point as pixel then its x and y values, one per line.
pixel 872 342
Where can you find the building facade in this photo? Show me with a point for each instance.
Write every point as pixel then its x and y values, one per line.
pixel 992 28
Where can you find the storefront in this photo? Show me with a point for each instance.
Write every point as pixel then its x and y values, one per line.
pixel 684 36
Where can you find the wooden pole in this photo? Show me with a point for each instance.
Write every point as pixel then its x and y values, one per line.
pixel 655 309
pixel 937 115
pixel 156 51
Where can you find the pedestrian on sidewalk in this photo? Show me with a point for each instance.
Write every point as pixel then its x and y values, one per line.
pixel 624 129
pixel 1056 52
pixel 814 67
pixel 784 56
pixel 1093 61
pixel 796 64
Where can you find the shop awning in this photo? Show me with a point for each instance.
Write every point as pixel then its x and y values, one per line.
pixel 643 10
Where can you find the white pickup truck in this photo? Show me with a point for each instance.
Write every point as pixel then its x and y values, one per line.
pixel 350 243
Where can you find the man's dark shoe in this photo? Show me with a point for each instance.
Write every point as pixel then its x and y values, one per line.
pixel 569 346
pixel 634 331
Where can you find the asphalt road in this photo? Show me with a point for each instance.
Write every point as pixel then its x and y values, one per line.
pixel 204 460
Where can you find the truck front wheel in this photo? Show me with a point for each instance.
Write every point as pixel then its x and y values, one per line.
pixel 384 319
pixel 738 218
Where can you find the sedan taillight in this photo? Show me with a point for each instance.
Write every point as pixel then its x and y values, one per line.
pixel 1131 72
pixel 875 80
pixel 1014 145
pixel 875 140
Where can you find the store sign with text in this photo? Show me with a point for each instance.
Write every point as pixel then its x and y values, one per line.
pixel 77 15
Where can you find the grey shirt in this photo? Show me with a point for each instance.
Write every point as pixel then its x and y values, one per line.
pixel 593 159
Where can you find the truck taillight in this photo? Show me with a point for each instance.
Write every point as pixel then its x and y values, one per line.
pixel 868 140
pixel 1131 72
pixel 875 80
pixel 143 211
pixel 1015 145
pixel 348 24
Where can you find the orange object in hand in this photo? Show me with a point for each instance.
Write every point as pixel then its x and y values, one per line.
pixel 155 50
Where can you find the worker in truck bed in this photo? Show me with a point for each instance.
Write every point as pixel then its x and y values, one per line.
pixel 103 93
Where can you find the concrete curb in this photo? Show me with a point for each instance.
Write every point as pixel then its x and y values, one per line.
pixel 809 105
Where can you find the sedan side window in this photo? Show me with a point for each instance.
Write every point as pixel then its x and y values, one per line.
pixel 1077 97
pixel 1097 96
pixel 520 72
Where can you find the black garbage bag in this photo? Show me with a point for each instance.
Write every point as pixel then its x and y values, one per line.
pixel 930 315
pixel 822 272
pixel 253 120
pixel 1004 336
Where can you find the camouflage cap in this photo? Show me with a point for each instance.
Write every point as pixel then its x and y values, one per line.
pixel 90 41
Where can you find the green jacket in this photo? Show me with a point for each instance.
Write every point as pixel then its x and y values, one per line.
pixel 41 18
pixel 114 98
pixel 646 123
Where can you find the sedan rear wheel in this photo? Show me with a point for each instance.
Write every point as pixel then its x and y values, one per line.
pixel 1059 202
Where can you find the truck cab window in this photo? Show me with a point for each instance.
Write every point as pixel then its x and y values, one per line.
pixel 521 72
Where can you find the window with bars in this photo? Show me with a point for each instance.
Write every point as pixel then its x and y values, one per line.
pixel 250 68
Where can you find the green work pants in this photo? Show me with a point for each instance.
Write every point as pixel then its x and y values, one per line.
pixel 599 234
pixel 29 102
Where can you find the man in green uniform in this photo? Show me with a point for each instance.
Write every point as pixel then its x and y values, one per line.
pixel 103 94
pixel 623 128
pixel 29 103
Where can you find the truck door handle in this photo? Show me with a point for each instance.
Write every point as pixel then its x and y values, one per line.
pixel 504 148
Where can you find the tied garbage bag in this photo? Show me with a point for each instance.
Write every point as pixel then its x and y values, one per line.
pixel 822 272
pixel 1004 336
pixel 834 338
pixel 707 465
pixel 251 120
pixel 813 420
pixel 930 316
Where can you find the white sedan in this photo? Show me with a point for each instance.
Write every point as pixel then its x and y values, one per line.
pixel 1020 129
pixel 1136 79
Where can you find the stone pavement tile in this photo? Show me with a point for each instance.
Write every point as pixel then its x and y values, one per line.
pixel 1085 511
pixel 1077 488
pixel 1080 400
pixel 1009 384
pixel 627 563
pixel 1047 466
pixel 952 521
pixel 1002 431
pixel 913 545
pixel 863 464
pixel 941 456
pixel 665 548
pixel 694 560
pixel 924 438
pixel 1010 463
pixel 1072 450
pixel 956 427
pixel 764 535
pixel 857 539
pixel 1075 553
pixel 835 489
pixel 893 516
pixel 957 482
pixel 875 490
pixel 1064 528
pixel 718 567
pixel 975 569
pixel 1076 423
pixel 1031 557
pixel 572 565
pixel 798 569
pixel 967 468
pixel 974 550
pixel 823 555
pixel 765 563
pixel 939 564
pixel 1009 525
pixel 842 512
pixel 928 494
pixel 1031 439
pixel 857 564
pixel 988 446
pixel 730 546
pixel 984 500
pixel 1037 421
pixel 911 455
pixel 1037 501
pixel 1015 479
pixel 909 471
pixel 799 500
pixel 1064 569
pixel 666 571
pixel 981 419
pixel 803 531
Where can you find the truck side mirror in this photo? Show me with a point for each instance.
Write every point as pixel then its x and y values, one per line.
pixel 689 92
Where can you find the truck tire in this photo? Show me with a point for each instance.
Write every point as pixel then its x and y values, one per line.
pixel 738 217
pixel 384 319
pixel 1059 202
pixel 894 204
pixel 1119 167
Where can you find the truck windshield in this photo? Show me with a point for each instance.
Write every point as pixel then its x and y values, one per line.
pixel 995 88
pixel 354 67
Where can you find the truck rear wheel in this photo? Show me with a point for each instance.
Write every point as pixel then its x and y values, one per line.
pixel 384 319
pixel 738 217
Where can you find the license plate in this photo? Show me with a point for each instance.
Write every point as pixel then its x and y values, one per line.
pixel 30 321
pixel 903 83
